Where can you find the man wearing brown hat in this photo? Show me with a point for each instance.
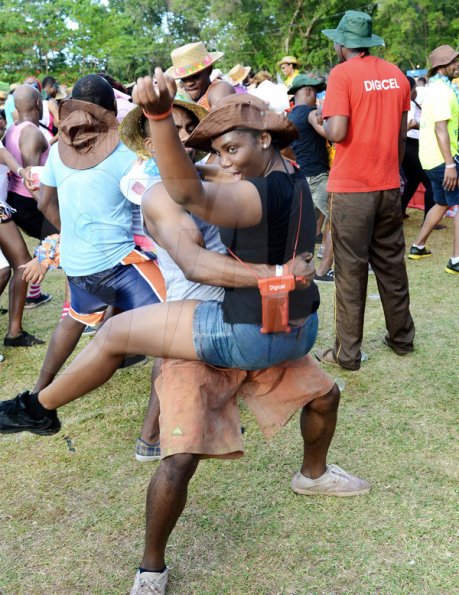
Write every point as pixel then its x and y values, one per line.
pixel 192 65
pixel 365 114
pixel 289 67
pixel 80 193
pixel 438 148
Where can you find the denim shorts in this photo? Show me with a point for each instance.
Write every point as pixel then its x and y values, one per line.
pixel 443 197
pixel 243 346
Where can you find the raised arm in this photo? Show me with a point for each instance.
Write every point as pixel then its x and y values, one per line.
pixel 229 205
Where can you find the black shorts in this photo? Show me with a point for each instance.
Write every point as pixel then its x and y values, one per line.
pixel 29 218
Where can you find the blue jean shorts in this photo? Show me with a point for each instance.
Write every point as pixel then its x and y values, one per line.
pixel 443 197
pixel 243 346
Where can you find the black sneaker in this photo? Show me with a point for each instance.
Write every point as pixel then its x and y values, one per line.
pixel 418 253
pixel 329 277
pixel 25 339
pixel 14 418
pixel 131 361
pixel 452 269
pixel 34 302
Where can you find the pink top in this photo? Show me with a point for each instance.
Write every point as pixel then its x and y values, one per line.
pixel 11 142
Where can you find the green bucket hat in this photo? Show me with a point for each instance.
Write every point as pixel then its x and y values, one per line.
pixel 306 80
pixel 354 31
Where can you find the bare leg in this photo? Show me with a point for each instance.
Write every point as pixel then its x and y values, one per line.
pixel 16 253
pixel 320 218
pixel 433 218
pixel 327 259
pixel 456 236
pixel 318 422
pixel 63 342
pixel 5 275
pixel 157 330
pixel 166 499
pixel 150 428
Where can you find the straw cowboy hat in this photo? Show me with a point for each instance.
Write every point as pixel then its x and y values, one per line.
pixel 238 74
pixel 242 111
pixel 132 128
pixel 288 60
pixel 441 56
pixel 190 59
pixel 354 30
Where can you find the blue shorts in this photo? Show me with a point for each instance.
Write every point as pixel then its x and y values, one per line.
pixel 125 286
pixel 243 346
pixel 443 197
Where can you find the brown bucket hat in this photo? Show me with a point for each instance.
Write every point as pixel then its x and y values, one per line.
pixel 242 111
pixel 441 56
pixel 88 133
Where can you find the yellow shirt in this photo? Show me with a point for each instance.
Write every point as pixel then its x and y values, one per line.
pixel 439 104
pixel 289 80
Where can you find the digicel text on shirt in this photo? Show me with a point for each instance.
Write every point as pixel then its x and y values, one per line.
pixel 383 85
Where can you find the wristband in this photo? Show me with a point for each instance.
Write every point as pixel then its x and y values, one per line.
pixel 279 270
pixel 450 166
pixel 159 116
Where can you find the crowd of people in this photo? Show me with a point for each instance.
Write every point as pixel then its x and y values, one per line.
pixel 185 213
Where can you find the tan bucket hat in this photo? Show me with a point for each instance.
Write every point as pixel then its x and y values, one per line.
pixel 288 60
pixel 190 59
pixel 242 111
pixel 441 56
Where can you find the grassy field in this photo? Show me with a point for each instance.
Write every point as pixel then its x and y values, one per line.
pixel 71 522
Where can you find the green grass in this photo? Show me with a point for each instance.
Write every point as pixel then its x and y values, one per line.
pixel 72 523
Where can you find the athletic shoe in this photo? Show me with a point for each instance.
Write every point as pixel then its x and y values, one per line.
pixel 334 482
pixel 418 253
pixel 131 361
pixel 452 269
pixel 14 418
pixel 89 331
pixel 150 583
pixel 3 310
pixel 25 339
pixel 145 452
pixel 329 277
pixel 34 302
pixel 1 357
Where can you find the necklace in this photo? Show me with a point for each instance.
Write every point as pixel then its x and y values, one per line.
pixel 445 79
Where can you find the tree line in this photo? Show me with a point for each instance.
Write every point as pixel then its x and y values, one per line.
pixel 127 38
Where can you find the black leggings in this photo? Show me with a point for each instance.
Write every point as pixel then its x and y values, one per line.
pixel 414 175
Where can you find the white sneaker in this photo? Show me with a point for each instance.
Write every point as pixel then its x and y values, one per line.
pixel 334 482
pixel 150 583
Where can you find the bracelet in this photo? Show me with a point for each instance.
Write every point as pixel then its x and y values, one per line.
pixel 17 172
pixel 159 116
pixel 450 166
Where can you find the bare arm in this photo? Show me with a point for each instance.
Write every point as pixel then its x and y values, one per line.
pixel 444 144
pixel 176 231
pixel 54 110
pixel 49 205
pixel 336 128
pixel 32 144
pixel 229 205
pixel 8 159
pixel 312 119
pixel 402 137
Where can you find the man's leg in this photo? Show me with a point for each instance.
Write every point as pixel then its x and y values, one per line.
pixel 318 422
pixel 147 446
pixel 63 342
pixel 166 499
pixel 433 218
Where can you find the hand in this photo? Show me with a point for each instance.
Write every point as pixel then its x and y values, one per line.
pixel 303 268
pixel 33 271
pixel 155 97
pixel 450 179
pixel 319 117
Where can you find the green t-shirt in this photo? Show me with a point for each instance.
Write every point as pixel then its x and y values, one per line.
pixel 439 104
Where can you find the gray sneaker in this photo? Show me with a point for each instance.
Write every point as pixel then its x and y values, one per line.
pixel 150 583
pixel 334 482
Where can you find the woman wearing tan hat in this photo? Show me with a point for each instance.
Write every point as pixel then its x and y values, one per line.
pixel 289 67
pixel 265 216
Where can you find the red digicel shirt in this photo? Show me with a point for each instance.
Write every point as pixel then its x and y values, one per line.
pixel 373 94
